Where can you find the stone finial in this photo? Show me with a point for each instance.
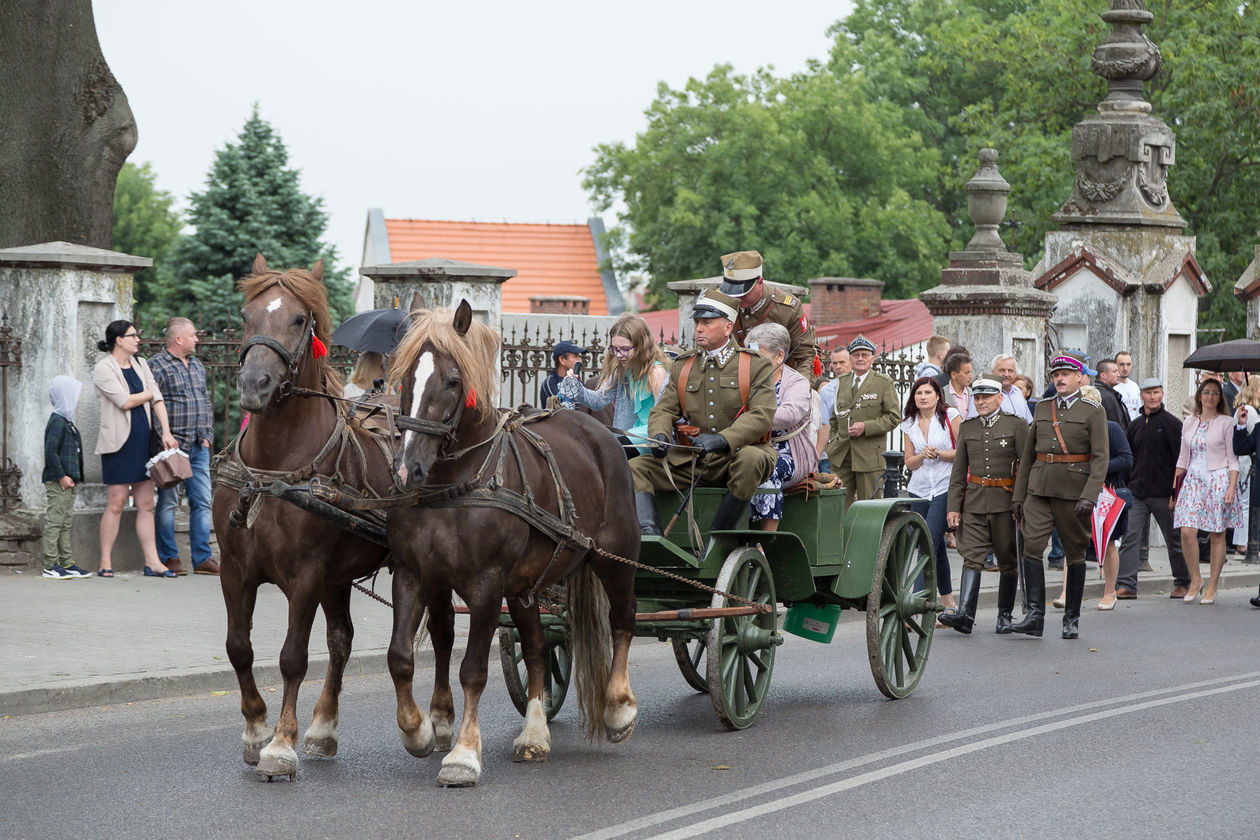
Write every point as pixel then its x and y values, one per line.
pixel 1127 58
pixel 986 203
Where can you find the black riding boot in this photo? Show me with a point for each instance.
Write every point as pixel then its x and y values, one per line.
pixel 649 518
pixel 732 513
pixel 1253 535
pixel 964 616
pixel 1035 583
pixel 1007 586
pixel 1072 606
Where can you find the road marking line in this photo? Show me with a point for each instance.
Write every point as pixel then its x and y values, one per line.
pixel 660 817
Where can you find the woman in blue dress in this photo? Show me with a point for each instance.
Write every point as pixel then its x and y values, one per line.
pixel 129 399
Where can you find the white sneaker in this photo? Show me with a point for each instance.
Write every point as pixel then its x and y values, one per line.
pixel 75 572
pixel 58 573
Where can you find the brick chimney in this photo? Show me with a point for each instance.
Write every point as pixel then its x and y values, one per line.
pixel 836 300
pixel 559 305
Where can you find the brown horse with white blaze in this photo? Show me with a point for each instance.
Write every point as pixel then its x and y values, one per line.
pixel 293 432
pixel 445 370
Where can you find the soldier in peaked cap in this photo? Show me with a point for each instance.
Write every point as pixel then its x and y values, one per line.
pixel 742 280
pixel 866 410
pixel 985 465
pixel 725 391
pixel 1063 466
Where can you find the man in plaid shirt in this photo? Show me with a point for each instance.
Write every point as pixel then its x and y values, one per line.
pixel 182 379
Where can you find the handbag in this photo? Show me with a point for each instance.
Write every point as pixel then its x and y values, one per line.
pixel 168 468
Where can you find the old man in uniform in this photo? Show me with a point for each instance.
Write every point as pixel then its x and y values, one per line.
pixel 979 505
pixel 726 391
pixel 1063 467
pixel 865 411
pixel 742 280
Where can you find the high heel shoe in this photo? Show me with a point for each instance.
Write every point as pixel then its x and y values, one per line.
pixel 1059 603
pixel 1208 601
pixel 1103 605
pixel 1191 597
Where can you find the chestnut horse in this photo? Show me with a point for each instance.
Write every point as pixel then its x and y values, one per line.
pixel 445 367
pixel 291 435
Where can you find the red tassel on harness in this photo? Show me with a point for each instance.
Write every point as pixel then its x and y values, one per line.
pixel 470 399
pixel 817 365
pixel 318 350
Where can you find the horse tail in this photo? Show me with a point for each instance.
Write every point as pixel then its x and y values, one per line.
pixel 422 634
pixel 590 639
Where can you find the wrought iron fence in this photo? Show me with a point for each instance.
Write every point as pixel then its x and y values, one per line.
pixel 10 473
pixel 525 359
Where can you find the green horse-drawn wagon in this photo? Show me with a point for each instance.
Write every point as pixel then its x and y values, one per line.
pixel 717 597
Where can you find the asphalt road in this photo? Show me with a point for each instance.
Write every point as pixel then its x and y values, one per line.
pixel 1146 728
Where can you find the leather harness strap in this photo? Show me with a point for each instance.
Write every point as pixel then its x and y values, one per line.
pixel 682 385
pixel 1054 419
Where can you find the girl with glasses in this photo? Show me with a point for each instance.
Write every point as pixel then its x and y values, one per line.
pixel 634 375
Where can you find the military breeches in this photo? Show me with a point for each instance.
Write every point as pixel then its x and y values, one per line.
pixel 1042 515
pixel 862 485
pixel 741 472
pixel 980 533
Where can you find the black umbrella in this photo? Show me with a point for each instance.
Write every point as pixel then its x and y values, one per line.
pixel 377 329
pixel 1239 354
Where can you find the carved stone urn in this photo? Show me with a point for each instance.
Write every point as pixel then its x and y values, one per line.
pixel 986 203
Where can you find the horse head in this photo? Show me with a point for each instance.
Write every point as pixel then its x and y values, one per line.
pixel 444 377
pixel 284 317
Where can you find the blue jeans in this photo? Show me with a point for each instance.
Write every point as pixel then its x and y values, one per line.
pixel 933 510
pixel 198 490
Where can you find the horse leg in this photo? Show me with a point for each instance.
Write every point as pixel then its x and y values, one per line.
pixel 534 742
pixel 462 765
pixel 442 633
pixel 620 708
pixel 239 599
pixel 321 735
pixel 415 729
pixel 279 758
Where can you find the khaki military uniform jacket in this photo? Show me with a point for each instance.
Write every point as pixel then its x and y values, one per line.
pixel 875 403
pixel 986 452
pixel 713 400
pixel 777 307
pixel 1084 431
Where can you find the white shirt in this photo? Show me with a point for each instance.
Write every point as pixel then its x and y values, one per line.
pixel 932 477
pixel 827 401
pixel 1130 397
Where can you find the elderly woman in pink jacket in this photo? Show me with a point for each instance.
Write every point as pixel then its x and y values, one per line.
pixel 790 431
pixel 1206 487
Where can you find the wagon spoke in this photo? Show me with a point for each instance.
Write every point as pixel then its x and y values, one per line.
pixel 913 621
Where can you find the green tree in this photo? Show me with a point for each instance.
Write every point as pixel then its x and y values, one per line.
pixel 146 225
pixel 252 203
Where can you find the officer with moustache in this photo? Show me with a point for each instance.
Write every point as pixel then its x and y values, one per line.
pixel 706 389
pixel 742 280
pixel 979 505
pixel 866 410
pixel 1063 466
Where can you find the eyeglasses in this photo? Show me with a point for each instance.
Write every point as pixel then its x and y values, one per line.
pixel 130 335
pixel 621 352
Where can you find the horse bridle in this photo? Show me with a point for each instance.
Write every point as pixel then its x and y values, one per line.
pixel 292 360
pixel 444 430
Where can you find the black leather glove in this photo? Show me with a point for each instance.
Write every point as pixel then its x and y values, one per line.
pixel 1084 507
pixel 1017 511
pixel 709 442
pixel 661 449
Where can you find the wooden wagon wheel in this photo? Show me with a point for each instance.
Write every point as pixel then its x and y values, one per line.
pixel 559 663
pixel 690 655
pixel 741 648
pixel 900 620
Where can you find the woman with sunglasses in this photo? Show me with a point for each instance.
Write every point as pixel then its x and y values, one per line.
pixel 129 399
pixel 633 377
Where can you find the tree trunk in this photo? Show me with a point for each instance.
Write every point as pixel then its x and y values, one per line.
pixel 65 126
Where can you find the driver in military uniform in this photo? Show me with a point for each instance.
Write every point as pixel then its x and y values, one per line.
pixel 979 506
pixel 1062 469
pixel 866 410
pixel 713 379
pixel 742 280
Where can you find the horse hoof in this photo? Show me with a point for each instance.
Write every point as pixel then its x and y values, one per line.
pixel 535 753
pixel 320 747
pixel 277 762
pixel 250 753
pixel 421 743
pixel 457 776
pixel 618 732
pixel 443 744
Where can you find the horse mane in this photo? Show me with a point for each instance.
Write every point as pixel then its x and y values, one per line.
pixel 312 296
pixel 474 353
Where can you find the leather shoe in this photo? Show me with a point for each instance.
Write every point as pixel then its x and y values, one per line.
pixel 175 566
pixel 1179 592
pixel 1123 594
pixel 210 567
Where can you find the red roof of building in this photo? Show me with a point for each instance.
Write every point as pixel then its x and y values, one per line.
pixel 549 259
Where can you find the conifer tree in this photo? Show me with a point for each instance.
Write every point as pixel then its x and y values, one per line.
pixel 146 225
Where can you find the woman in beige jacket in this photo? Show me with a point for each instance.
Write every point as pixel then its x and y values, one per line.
pixel 129 399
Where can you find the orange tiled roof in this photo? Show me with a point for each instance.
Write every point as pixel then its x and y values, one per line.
pixel 549 259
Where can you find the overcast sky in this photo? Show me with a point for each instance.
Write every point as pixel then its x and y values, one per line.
pixel 475 110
